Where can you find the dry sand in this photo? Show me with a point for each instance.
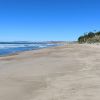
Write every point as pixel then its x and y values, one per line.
pixel 70 72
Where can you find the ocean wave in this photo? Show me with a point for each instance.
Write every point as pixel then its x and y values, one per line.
pixel 13 48
pixel 6 46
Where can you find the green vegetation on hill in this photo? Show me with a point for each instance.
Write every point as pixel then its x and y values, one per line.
pixel 91 37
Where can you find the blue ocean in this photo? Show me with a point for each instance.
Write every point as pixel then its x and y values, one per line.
pixel 7 48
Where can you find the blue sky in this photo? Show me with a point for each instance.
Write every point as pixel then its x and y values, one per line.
pixel 41 20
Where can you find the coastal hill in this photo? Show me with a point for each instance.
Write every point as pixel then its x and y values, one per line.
pixel 91 37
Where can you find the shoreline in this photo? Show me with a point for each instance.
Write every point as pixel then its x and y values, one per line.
pixel 19 52
pixel 68 72
pixel 26 53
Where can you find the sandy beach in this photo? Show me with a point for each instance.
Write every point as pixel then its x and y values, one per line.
pixel 69 72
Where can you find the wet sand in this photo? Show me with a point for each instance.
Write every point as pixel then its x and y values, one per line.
pixel 70 72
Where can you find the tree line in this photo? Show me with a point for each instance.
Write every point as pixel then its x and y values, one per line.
pixel 90 37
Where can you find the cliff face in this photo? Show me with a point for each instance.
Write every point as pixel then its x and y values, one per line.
pixel 90 38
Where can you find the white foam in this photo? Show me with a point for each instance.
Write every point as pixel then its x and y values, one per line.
pixel 6 46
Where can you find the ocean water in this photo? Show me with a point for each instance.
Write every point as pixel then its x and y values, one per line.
pixel 11 48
